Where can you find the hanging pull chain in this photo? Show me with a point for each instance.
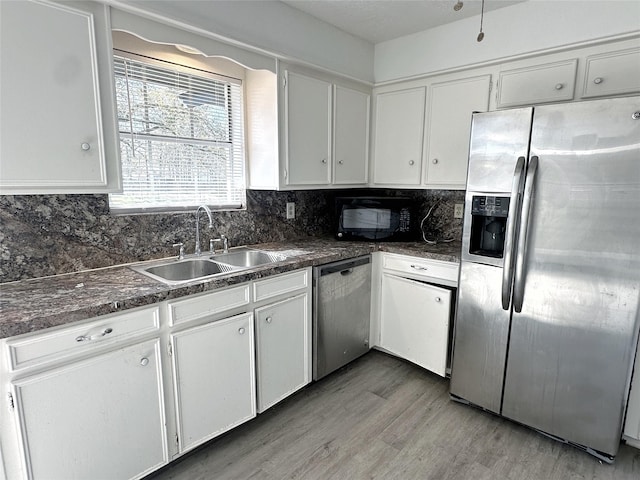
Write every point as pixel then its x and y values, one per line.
pixel 481 34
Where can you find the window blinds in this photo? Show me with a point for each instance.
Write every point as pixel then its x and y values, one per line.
pixel 181 137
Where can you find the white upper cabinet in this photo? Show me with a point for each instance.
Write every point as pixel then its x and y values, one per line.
pixel 313 130
pixel 57 118
pixel 307 130
pixel 541 83
pixel 326 132
pixel 422 133
pixel 351 136
pixel 612 73
pixel 399 129
pixel 449 111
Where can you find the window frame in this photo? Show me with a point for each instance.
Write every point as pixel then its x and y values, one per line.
pixel 239 115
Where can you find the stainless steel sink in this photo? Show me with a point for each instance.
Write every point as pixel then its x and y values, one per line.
pixel 175 272
pixel 181 271
pixel 248 258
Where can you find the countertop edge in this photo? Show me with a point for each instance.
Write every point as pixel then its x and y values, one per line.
pixel 37 304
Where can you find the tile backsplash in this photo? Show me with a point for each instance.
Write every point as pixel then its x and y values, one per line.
pixel 44 235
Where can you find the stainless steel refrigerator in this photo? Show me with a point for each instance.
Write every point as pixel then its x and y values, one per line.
pixel 548 302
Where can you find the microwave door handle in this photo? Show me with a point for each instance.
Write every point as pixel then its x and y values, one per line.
pixel 527 202
pixel 507 271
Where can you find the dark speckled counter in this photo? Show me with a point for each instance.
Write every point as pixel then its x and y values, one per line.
pixel 40 303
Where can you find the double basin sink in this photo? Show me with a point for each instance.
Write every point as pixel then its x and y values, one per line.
pixel 178 271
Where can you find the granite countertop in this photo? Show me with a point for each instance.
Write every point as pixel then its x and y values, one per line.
pixel 40 303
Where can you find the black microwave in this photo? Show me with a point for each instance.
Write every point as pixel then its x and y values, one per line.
pixel 374 218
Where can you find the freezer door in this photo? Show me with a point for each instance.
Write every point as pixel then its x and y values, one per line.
pixel 481 330
pixel 497 140
pixel 571 347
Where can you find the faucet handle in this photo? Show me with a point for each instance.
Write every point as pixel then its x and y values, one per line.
pixel 181 252
pixel 212 242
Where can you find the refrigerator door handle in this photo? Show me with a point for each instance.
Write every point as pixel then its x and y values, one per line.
pixel 518 286
pixel 507 271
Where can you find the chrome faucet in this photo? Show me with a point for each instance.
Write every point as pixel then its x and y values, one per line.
pixel 225 244
pixel 198 251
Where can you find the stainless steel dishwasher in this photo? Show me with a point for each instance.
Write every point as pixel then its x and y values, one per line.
pixel 341 313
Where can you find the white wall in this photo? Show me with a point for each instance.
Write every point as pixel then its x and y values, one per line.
pixel 520 29
pixel 271 26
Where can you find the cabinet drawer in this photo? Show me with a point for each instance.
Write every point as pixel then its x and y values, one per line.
pixel 43 347
pixel 612 73
pixel 422 268
pixel 551 82
pixel 199 306
pixel 281 284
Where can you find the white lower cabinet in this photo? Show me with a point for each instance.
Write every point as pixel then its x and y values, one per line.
pixel 415 321
pixel 101 417
pixel 120 395
pixel 282 349
pixel 415 297
pixel 214 375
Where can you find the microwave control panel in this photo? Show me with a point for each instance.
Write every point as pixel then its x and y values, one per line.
pixel 404 224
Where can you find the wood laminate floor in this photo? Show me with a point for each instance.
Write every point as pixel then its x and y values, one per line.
pixel 383 418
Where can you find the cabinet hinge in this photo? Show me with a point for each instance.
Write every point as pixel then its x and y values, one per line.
pixel 170 349
pixel 284 82
pixel 177 440
pixel 12 405
pixel 285 173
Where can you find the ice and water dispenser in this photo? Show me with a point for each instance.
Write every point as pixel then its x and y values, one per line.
pixel 488 225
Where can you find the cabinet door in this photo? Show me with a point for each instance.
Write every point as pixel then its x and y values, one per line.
pixel 414 321
pixel 351 134
pixel 398 137
pixel 307 130
pixel 451 105
pixel 612 73
pixel 283 349
pixel 549 82
pixel 99 418
pixel 55 107
pixel 214 378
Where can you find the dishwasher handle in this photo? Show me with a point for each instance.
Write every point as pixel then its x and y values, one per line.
pixel 344 267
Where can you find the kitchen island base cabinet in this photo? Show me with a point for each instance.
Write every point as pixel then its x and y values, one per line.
pixel 99 417
pixel 214 378
pixel 415 321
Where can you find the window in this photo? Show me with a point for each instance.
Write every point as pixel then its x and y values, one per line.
pixel 181 137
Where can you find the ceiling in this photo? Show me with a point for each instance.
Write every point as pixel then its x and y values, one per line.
pixel 380 20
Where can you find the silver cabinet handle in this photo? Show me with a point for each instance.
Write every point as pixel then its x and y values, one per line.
pixel 411 162
pixel 516 193
pixel 434 161
pixel 438 299
pixel 241 330
pixel 559 86
pixel 636 115
pixel 85 338
pixel 85 146
pixel 419 267
pixel 598 80
pixel 268 319
pixel 144 361
pixel 324 160
pixel 340 162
